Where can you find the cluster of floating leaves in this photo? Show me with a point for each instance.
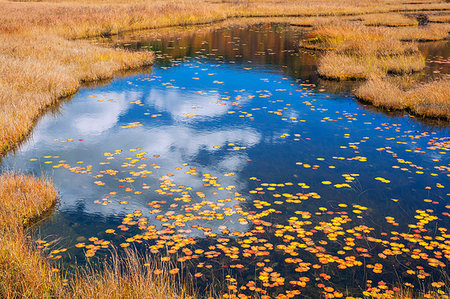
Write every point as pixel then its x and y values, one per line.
pixel 313 244
pixel 293 240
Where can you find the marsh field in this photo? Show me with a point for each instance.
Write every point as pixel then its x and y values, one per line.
pixel 224 149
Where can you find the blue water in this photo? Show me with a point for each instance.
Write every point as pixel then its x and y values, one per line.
pixel 279 143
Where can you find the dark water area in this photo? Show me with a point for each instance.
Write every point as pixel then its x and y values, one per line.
pixel 231 157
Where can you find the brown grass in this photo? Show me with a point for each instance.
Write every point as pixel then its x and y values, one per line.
pixel 23 198
pixel 429 100
pixel 430 32
pixel 389 20
pixel 440 18
pixel 131 276
pixel 25 273
pixel 356 67
pixel 359 52
pixel 363 52
pixel 334 34
pixel 35 73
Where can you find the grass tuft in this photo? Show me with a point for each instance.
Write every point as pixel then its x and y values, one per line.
pixel 25 273
pixel 429 100
pixel 389 20
pixel 34 74
pixel 440 19
pixel 23 198
pixel 131 276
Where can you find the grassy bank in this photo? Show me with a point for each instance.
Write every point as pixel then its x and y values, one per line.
pixel 36 73
pixel 23 198
pixel 354 51
pixel 25 273
pixel 429 99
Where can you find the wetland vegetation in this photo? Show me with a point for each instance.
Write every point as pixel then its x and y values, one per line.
pixel 274 149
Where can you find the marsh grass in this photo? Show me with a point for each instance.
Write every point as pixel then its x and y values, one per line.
pixel 26 273
pixel 430 32
pixel 357 52
pixel 358 67
pixel 440 19
pixel 23 272
pixel 356 59
pixel 403 292
pixel 334 34
pixel 389 20
pixel 23 198
pixel 35 74
pixel 429 99
pixel 129 276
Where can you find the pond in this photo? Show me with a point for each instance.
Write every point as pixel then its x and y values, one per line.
pixel 232 158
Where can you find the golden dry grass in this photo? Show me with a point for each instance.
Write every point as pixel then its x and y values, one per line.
pixel 35 73
pixel 440 18
pixel 356 67
pixel 431 32
pixel 430 100
pixel 94 17
pixel 389 20
pixel 25 273
pixel 131 276
pixel 359 52
pixel 331 35
pixel 23 198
